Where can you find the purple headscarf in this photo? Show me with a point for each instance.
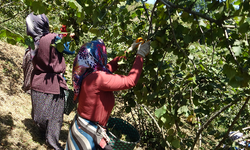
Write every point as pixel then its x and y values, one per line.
pixel 37 26
pixel 91 57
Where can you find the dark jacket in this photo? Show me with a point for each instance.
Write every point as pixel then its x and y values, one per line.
pixel 49 65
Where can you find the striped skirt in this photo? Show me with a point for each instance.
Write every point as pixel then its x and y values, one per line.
pixel 86 135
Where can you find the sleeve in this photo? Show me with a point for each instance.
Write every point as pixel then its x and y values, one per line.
pixel 114 82
pixel 113 64
pixel 25 59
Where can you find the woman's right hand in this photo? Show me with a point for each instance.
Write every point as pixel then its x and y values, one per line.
pixel 144 49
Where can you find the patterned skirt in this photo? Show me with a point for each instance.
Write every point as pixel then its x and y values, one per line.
pixel 85 135
pixel 47 112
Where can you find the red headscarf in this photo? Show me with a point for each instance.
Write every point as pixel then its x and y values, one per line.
pixel 64 29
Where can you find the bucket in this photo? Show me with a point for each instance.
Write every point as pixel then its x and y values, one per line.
pixel 118 126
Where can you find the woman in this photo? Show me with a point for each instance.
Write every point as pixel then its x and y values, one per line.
pixel 94 84
pixel 47 83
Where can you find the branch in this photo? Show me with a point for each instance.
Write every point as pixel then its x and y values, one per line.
pixel 203 36
pixel 13 16
pixel 172 5
pixel 208 122
pixel 12 31
pixel 213 45
pixel 150 21
pixel 172 28
pixel 246 128
pixel 242 138
pixel 4 5
pixel 231 126
pixel 155 123
pixel 230 50
pixel 151 117
pixel 146 10
pixel 192 5
pixel 107 9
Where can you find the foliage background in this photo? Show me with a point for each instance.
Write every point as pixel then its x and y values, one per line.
pixel 194 88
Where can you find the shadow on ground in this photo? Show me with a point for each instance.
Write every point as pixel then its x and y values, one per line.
pixel 33 130
pixel 36 136
pixel 6 126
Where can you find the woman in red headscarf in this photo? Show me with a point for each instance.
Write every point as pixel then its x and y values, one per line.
pixel 64 29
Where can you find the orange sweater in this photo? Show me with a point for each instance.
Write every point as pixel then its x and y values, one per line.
pixel 96 98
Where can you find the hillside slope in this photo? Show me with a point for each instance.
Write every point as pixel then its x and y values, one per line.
pixel 17 130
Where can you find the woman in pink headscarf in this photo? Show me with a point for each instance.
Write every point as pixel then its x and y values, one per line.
pixel 94 83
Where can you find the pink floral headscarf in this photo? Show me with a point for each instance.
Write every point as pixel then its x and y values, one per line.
pixel 91 57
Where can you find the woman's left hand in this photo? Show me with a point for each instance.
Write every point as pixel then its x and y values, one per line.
pixel 133 46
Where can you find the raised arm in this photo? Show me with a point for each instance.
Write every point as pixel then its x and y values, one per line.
pixel 113 64
pixel 115 82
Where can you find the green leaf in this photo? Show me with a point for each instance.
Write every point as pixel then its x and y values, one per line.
pixel 96 16
pixel 227 4
pixel 72 46
pixel 238 2
pixel 11 41
pixel 244 28
pixel 161 111
pixel 202 67
pixel 234 83
pixel 176 143
pixel 128 109
pixel 229 71
pixel 183 66
pixel 194 80
pixel 60 47
pixel 163 119
pixel 154 44
pixel 202 23
pixel 38 7
pixel 58 41
pixel 75 5
pixel 169 138
pixel 187 39
pixel 138 95
pixel 170 132
pixel 115 33
pixel 3 33
pixel 185 16
pixel 28 2
pixel 95 31
pixel 236 50
pixel 183 109
pixel 29 42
